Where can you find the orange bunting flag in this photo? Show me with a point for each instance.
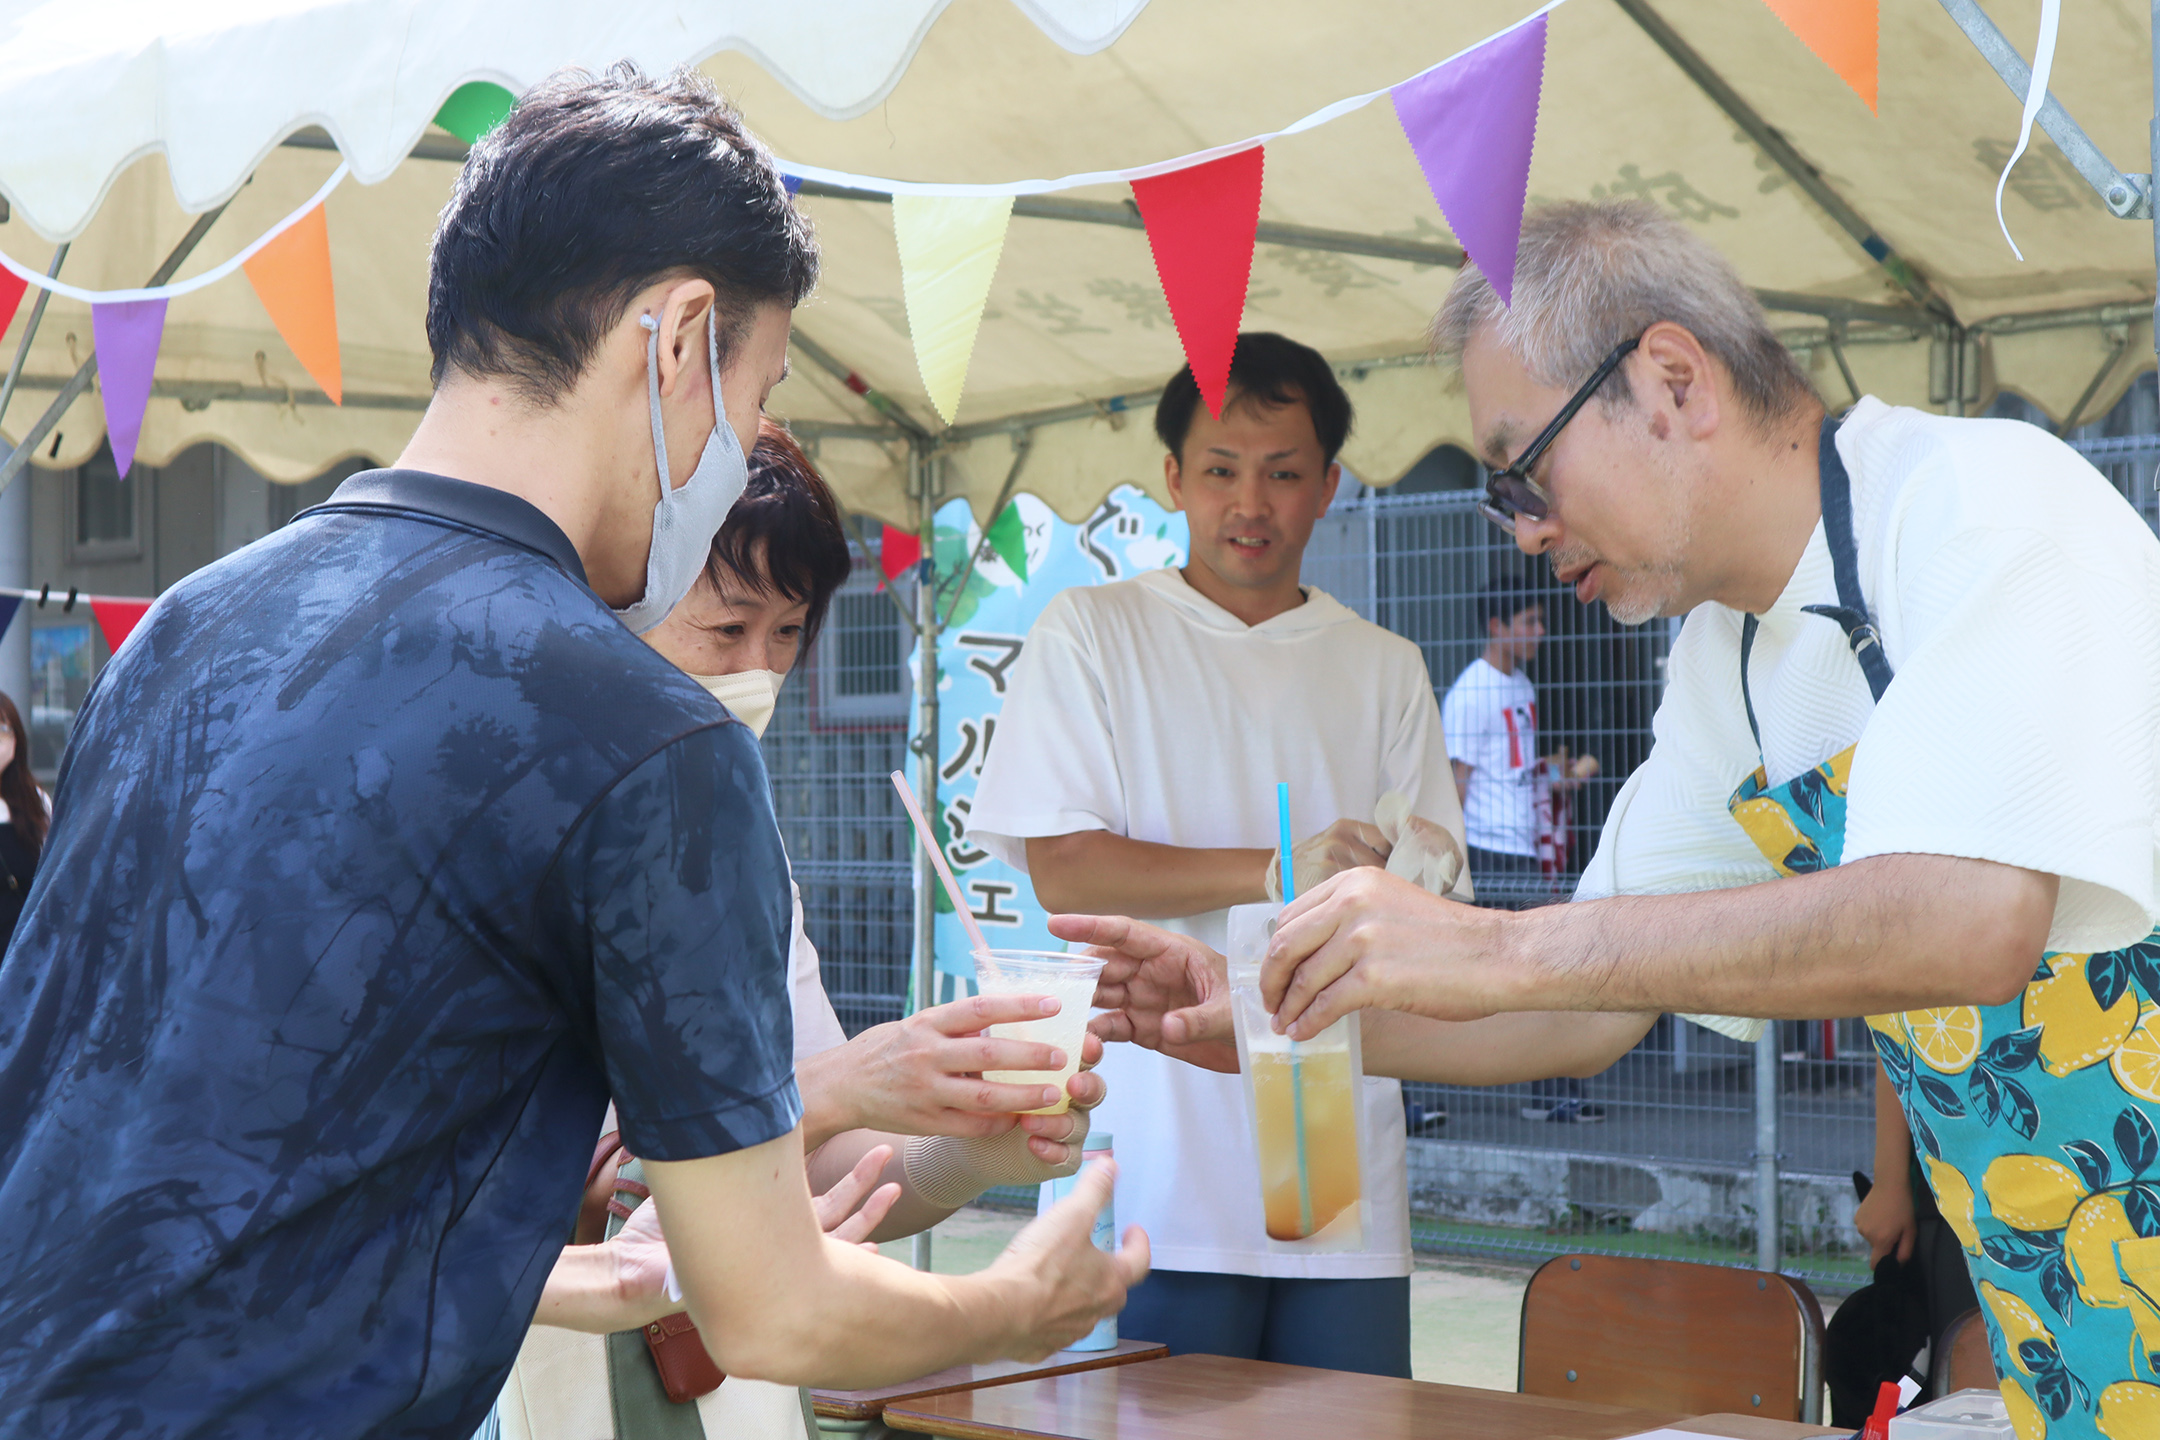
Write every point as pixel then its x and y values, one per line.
pixel 1843 35
pixel 291 276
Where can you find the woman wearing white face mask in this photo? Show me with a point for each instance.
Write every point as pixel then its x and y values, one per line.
pixel 900 1109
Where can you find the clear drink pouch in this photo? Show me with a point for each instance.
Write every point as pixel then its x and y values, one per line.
pixel 1306 1100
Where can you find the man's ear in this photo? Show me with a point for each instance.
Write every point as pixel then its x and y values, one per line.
pixel 1683 375
pixel 682 317
pixel 1174 480
pixel 1329 485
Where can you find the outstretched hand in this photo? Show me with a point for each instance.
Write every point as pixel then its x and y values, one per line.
pixel 924 1075
pixel 1160 990
pixel 1065 1284
pixel 1370 940
pixel 844 1213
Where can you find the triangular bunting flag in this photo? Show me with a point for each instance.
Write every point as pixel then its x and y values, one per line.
pixel 1008 536
pixel 899 550
pixel 118 619
pixel 475 108
pixel 1842 33
pixel 12 287
pixel 9 604
pixel 949 246
pixel 291 276
pixel 1471 124
pixel 1200 224
pixel 127 333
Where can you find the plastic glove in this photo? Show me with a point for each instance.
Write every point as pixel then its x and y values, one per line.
pixel 1419 851
pixel 1344 845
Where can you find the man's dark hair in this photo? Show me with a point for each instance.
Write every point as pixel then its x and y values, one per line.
pixel 592 190
pixel 1506 597
pixel 788 519
pixel 1270 370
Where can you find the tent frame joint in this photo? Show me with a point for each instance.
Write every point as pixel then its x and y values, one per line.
pixel 2127 196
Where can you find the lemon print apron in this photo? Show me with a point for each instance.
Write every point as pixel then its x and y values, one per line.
pixel 2037 1121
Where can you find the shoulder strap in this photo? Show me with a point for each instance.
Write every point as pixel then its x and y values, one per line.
pixel 1851 611
pixel 1747 644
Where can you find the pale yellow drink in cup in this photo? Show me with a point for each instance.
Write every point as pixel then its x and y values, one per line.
pixel 1067 979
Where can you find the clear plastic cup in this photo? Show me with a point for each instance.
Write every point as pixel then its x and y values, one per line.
pixel 1068 979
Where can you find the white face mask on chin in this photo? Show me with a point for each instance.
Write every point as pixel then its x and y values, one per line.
pixel 749 695
pixel 689 514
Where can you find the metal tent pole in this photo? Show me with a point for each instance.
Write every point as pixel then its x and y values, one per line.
pixel 1769 1224
pixel 923 466
pixel 37 316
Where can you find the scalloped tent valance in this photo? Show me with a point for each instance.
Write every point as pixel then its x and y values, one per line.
pixel 131 116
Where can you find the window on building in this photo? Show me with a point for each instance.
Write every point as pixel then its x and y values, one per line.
pixel 861 659
pixel 107 510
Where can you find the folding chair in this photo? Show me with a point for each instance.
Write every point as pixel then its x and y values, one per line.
pixel 1669 1335
pixel 1964 1360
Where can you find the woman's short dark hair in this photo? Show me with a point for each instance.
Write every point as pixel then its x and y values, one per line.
pixel 1270 370
pixel 592 190
pixel 785 536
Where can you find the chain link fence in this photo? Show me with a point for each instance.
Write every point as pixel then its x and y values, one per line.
pixel 1670 1168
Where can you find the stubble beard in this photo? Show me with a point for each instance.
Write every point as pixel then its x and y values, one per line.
pixel 1637 594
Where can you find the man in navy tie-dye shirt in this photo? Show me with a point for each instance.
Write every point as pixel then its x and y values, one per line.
pixel 385 855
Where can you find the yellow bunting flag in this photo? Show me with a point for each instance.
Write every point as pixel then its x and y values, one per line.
pixel 291 276
pixel 1842 33
pixel 949 247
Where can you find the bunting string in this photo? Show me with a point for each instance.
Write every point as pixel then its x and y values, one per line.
pixel 116 615
pixel 178 287
pixel 1317 118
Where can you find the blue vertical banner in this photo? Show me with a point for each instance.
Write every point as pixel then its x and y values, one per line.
pixel 1030 555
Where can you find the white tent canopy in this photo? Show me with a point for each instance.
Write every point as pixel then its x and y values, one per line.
pixel 123 109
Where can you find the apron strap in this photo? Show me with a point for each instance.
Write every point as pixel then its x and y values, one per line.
pixel 1851 611
pixel 1747 643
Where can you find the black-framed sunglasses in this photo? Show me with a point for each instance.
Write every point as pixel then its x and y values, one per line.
pixel 1511 492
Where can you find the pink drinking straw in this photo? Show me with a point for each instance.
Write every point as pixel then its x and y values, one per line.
pixel 937 858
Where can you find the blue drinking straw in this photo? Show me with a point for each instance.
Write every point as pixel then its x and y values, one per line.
pixel 1297 1066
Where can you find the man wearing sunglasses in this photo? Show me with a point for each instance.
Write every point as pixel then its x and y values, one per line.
pixel 1907 766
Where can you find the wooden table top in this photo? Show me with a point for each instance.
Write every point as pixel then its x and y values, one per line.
pixel 869 1404
pixel 1211 1397
pixel 1755 1427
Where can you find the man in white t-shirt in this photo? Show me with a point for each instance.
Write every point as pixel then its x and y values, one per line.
pixel 1491 718
pixel 1907 766
pixel 1135 772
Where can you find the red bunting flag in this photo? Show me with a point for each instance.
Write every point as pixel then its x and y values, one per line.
pixel 1200 223
pixel 118 619
pixel 12 288
pixel 899 551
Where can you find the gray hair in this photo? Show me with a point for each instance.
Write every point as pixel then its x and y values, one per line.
pixel 1590 275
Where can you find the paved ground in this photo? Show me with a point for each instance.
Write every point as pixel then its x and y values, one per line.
pixel 1464 1317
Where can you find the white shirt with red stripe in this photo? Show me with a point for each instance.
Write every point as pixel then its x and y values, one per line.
pixel 1491 724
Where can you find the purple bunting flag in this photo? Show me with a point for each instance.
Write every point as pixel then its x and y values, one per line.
pixel 1471 123
pixel 127 334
